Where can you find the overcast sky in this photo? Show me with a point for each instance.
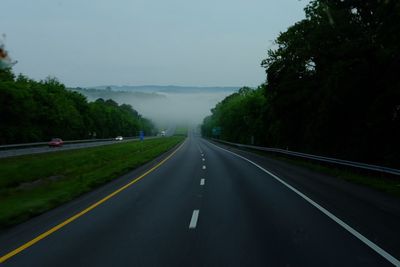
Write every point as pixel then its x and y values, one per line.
pixel 137 42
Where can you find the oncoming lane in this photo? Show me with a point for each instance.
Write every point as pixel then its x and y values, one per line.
pixel 46 149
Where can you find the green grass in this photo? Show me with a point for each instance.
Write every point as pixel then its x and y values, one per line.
pixel 181 130
pixel 385 184
pixel 30 185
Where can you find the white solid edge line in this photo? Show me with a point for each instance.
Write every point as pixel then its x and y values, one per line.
pixel 202 182
pixel 193 221
pixel 354 232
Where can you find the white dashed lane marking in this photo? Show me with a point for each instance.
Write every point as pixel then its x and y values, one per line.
pixel 193 221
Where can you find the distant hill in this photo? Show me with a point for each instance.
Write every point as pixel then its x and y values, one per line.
pixel 163 104
pixel 166 89
pixel 117 95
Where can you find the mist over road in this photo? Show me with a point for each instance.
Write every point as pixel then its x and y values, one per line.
pixel 203 206
pixel 165 104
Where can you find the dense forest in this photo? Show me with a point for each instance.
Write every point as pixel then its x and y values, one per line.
pixel 37 111
pixel 332 86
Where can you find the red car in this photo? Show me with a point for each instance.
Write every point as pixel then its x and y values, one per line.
pixel 56 142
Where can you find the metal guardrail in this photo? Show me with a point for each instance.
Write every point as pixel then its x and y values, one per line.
pixel 342 162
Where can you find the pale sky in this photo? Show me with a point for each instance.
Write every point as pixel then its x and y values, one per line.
pixel 140 42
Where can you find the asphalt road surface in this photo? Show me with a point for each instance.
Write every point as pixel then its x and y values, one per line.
pixel 46 149
pixel 205 206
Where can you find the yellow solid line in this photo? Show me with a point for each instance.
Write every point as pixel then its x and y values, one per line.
pixel 76 216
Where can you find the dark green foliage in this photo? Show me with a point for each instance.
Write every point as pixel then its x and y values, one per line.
pixel 37 111
pixel 239 117
pixel 6 75
pixel 332 86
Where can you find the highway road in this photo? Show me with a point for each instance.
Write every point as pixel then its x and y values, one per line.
pixel 46 149
pixel 208 205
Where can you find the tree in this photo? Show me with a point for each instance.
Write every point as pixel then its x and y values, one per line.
pixel 37 111
pixel 331 87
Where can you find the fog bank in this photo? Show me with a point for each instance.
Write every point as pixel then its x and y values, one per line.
pixel 167 106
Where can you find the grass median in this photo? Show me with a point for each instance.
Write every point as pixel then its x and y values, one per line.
pixel 181 130
pixel 33 184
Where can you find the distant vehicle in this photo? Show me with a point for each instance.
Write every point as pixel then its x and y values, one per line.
pixel 162 133
pixel 56 142
pixel 119 138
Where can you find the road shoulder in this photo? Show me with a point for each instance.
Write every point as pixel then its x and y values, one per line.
pixel 374 214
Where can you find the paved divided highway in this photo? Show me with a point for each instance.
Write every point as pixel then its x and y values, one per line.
pixel 203 205
pixel 46 149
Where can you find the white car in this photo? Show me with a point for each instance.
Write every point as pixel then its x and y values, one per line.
pixel 162 133
pixel 119 138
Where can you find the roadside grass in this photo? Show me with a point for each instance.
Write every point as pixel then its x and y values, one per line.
pixel 181 130
pixel 33 184
pixel 386 184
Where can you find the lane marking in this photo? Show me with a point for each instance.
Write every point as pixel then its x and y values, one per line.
pixel 204 167
pixel 81 213
pixel 193 221
pixel 202 181
pixel 347 227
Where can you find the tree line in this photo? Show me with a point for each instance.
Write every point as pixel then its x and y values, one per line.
pixel 332 86
pixel 32 111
